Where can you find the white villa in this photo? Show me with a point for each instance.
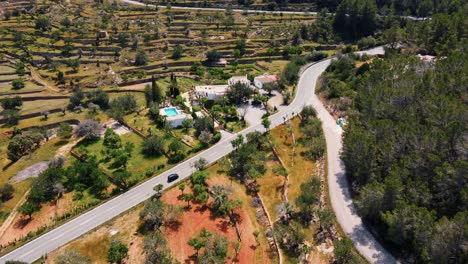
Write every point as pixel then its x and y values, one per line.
pixel 261 80
pixel 174 116
pixel 212 92
pixel 238 79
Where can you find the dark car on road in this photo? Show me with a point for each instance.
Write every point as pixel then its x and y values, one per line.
pixel 172 177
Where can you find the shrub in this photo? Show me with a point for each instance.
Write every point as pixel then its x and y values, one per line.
pixel 215 138
pixel 6 192
pixel 65 130
pixel 11 116
pixel 316 56
pixel 213 56
pixel 11 103
pixel 17 84
pixel 153 146
pixel 117 252
pixel 177 52
pixel 141 58
pixel 176 158
pixel 367 42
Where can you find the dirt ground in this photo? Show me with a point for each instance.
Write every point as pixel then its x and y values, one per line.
pixel 197 218
pixel 95 244
pixel 31 171
pixel 21 225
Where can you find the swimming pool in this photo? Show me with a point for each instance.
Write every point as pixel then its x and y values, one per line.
pixel 171 111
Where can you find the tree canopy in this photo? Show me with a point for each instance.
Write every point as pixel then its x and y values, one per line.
pixel 404 152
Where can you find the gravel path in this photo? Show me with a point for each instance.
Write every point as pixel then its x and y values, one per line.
pixel 31 171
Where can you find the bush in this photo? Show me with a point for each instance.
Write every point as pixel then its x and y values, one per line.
pixel 117 252
pixel 316 56
pixel 12 117
pixel 215 138
pixel 65 130
pixel 177 52
pixel 121 106
pixel 6 192
pixel 141 58
pixel 203 124
pixel 176 158
pixel 17 84
pixel 99 97
pixel 367 42
pixel 213 56
pixel 317 148
pixel 308 111
pixel 43 23
pixel 290 73
pixel 153 146
pixel 11 103
pixel 343 251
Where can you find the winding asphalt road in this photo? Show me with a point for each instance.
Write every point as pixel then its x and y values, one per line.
pixel 338 185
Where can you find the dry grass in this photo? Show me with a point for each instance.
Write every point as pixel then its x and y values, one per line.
pixel 96 243
pixel 240 193
pixel 45 152
pixel 271 186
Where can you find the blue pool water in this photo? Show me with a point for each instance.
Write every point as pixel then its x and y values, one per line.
pixel 171 111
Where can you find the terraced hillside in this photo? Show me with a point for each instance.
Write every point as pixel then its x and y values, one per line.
pixel 63 63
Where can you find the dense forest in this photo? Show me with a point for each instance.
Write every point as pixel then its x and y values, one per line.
pixel 405 148
pixel 420 8
pixel 405 151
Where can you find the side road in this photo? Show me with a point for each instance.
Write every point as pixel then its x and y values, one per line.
pixel 341 201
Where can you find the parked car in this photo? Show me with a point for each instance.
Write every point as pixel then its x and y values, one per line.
pixel 172 177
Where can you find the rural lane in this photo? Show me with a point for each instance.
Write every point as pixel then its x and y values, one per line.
pixel 248 11
pixel 338 185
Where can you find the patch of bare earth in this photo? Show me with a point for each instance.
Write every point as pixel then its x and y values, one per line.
pixel 22 225
pixel 95 245
pixel 198 217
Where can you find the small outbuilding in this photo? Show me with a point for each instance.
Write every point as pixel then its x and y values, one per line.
pixel 261 80
pixel 238 79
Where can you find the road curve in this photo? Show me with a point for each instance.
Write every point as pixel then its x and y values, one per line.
pixel 341 201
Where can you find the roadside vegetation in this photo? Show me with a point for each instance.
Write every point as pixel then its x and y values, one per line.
pixel 409 191
pixel 84 85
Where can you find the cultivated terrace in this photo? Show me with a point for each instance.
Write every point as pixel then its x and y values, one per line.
pixel 98 96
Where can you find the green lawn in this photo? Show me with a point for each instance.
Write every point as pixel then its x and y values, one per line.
pixel 138 163
pixel 184 84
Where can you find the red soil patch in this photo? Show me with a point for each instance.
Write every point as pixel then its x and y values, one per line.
pixel 196 218
pixel 21 225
